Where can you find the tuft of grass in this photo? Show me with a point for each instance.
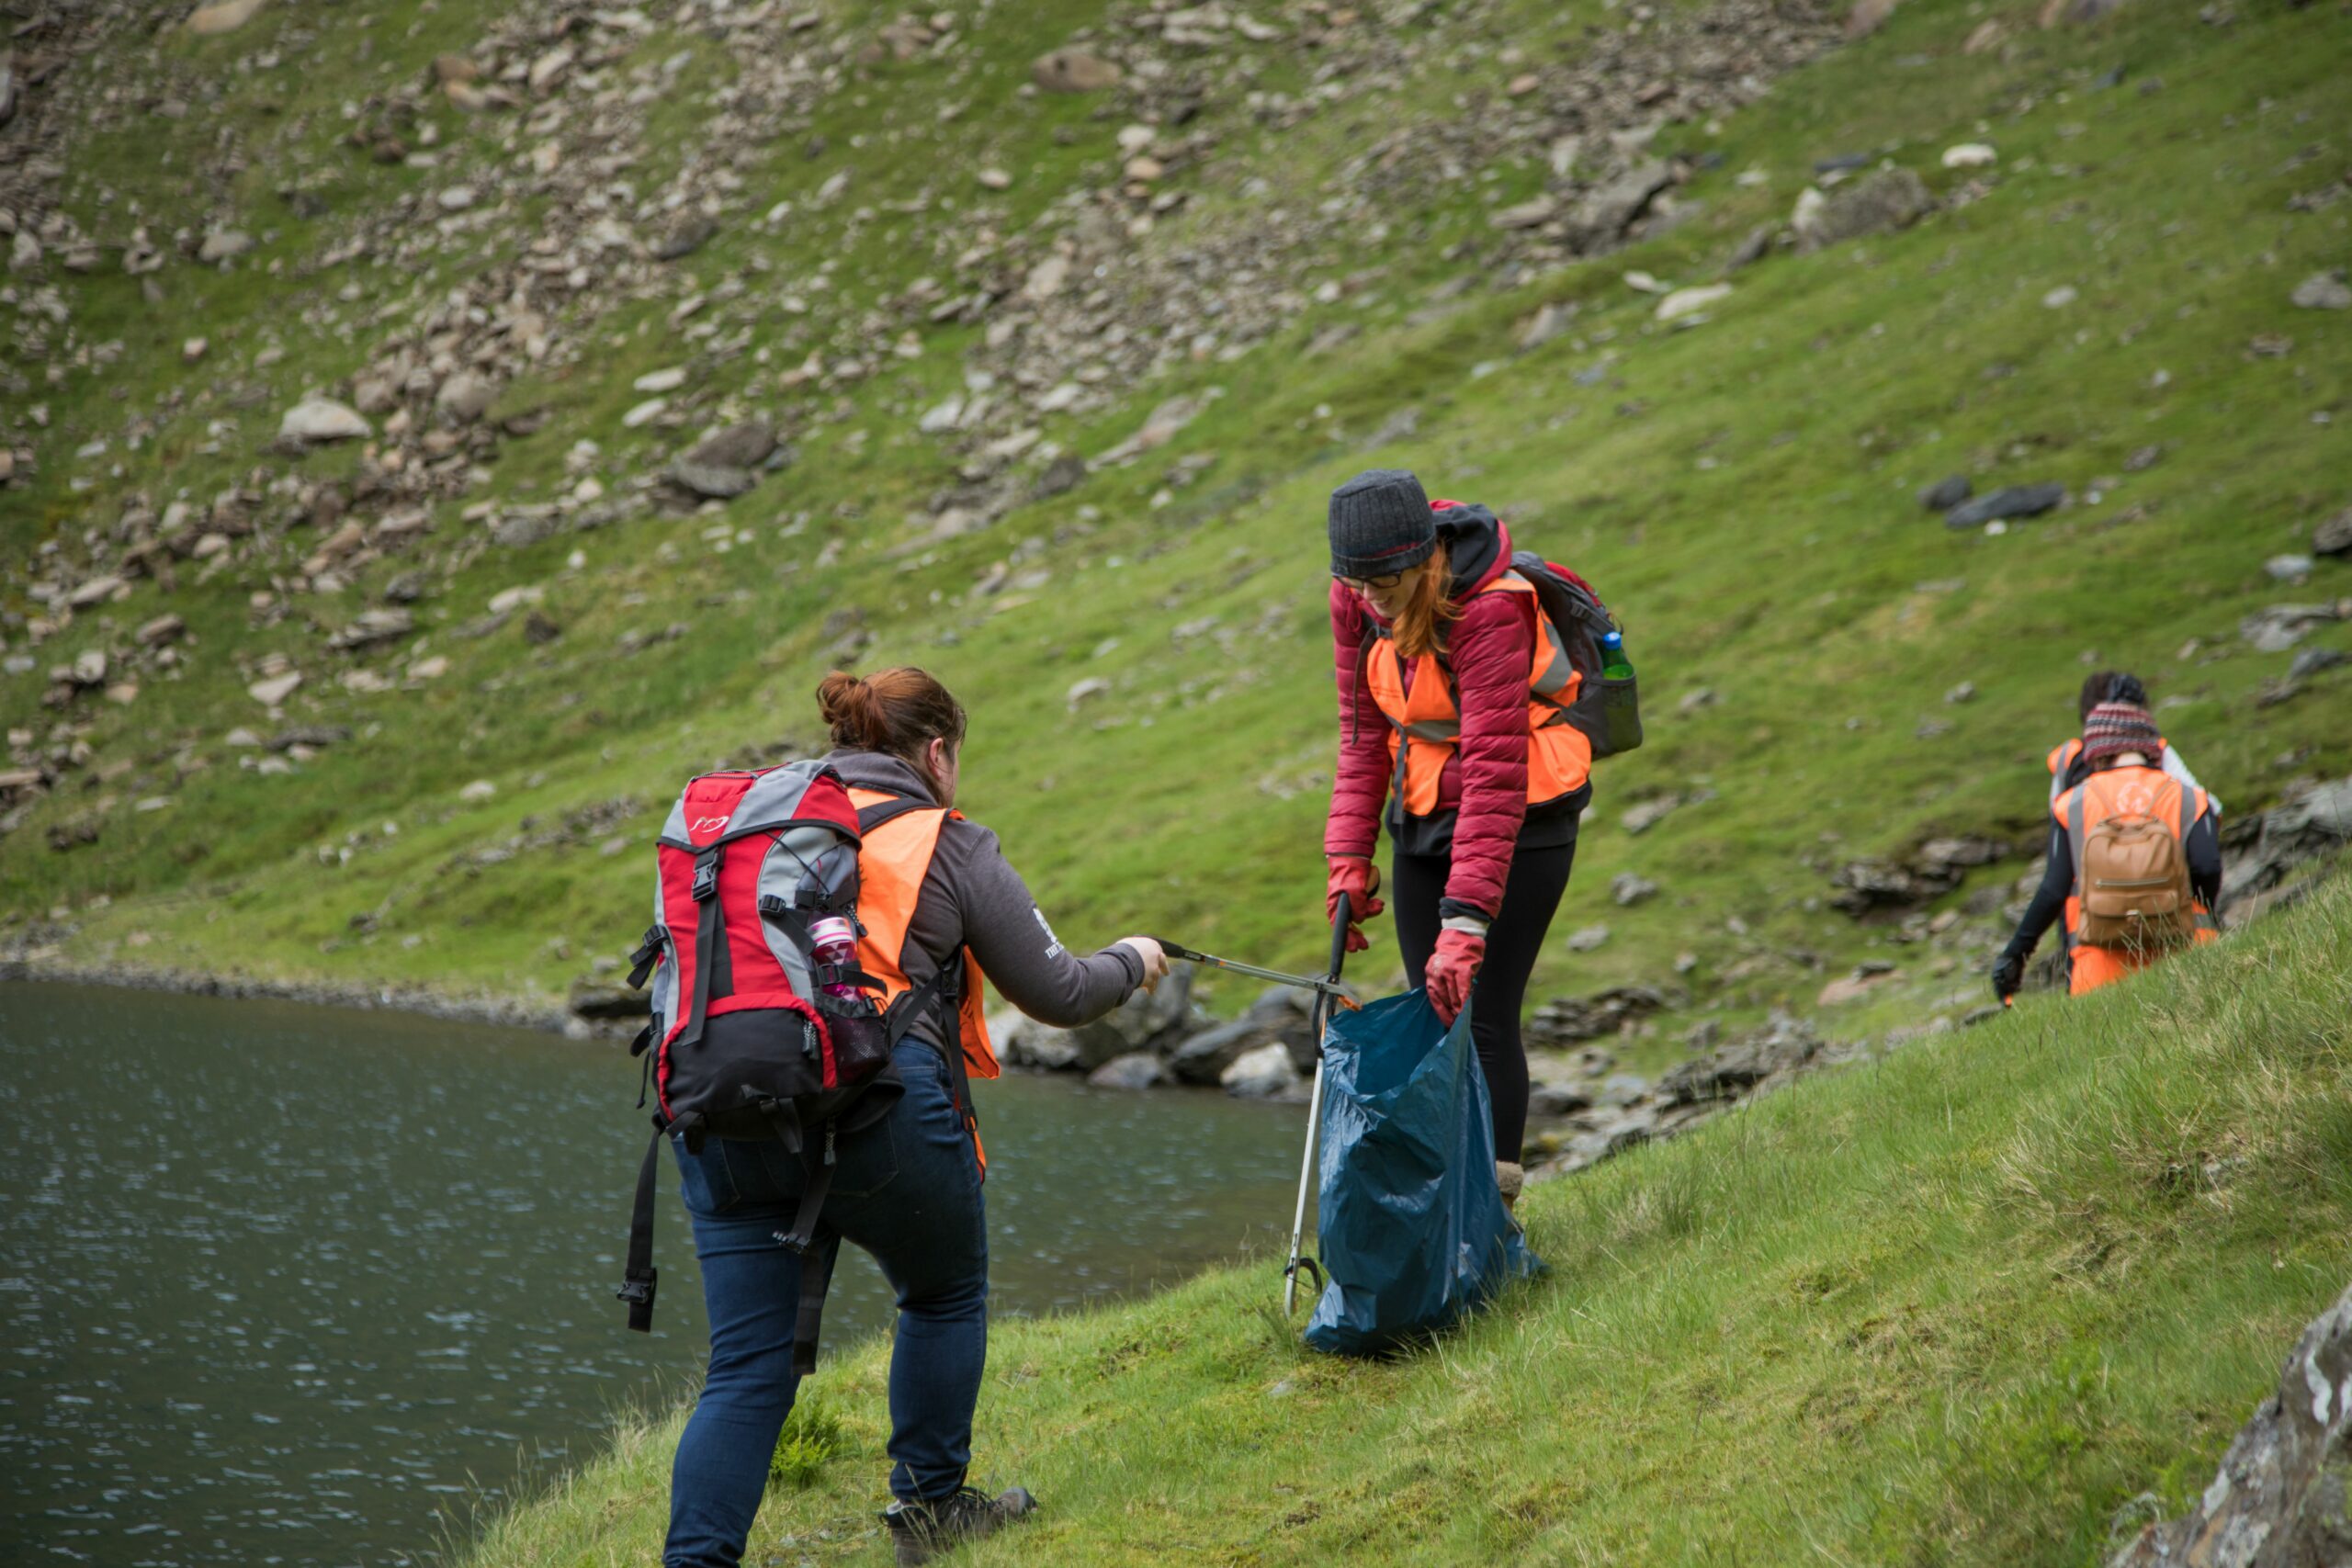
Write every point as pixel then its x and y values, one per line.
pixel 812 1436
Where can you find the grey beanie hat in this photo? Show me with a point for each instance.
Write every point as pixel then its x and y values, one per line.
pixel 1381 523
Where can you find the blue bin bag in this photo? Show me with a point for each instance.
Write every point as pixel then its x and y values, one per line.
pixel 1412 1228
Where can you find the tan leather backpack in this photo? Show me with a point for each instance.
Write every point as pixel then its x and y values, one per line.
pixel 2135 889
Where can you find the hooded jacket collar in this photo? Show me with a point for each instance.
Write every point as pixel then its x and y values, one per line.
pixel 1477 546
pixel 880 770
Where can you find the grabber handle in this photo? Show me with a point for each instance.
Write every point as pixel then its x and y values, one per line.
pixel 1339 936
pixel 1322 1017
pixel 1177 950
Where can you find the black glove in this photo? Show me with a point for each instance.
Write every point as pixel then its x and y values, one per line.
pixel 2008 975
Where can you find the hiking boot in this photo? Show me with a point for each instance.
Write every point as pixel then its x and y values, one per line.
pixel 919 1532
pixel 1509 1177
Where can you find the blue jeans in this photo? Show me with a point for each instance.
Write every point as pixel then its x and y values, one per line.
pixel 908 1191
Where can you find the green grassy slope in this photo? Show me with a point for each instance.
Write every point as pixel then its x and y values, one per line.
pixel 1971 1304
pixel 1742 489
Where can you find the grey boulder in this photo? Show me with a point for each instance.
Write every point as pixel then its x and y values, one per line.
pixel 1137 1070
pixel 2010 500
pixel 321 419
pixel 1876 204
pixel 464 397
pixel 1146 1021
pixel 1947 493
pixel 1261 1074
pixel 709 481
pixel 1202 1058
pixel 2280 1496
pixel 745 446
pixel 1032 1044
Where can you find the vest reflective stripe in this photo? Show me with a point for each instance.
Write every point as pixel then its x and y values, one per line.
pixel 1426 722
pixel 2083 808
pixel 892 865
pixel 2062 755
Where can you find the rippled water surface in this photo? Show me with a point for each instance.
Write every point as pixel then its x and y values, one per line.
pixel 283 1284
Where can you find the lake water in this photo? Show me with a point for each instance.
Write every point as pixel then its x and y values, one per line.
pixel 283 1284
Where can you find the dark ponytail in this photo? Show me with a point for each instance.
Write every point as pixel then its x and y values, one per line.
pixel 899 711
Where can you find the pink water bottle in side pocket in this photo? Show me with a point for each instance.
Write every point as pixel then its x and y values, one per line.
pixel 834 940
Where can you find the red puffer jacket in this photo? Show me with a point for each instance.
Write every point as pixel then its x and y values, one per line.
pixel 1482 798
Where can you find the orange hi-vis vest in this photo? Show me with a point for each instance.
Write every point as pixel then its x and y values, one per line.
pixel 892 860
pixel 2117 792
pixel 1426 723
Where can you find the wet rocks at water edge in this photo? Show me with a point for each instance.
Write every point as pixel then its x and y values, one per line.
pixel 1137 1070
pixel 2280 1498
pixel 601 999
pixel 1261 1073
pixel 1148 1020
pixel 1184 1045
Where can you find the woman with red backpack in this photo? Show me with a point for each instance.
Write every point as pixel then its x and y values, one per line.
pixel 1454 692
pixel 938 908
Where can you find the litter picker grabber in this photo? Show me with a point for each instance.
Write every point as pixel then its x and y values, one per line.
pixel 1327 994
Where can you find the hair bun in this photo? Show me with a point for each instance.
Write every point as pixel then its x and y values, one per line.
pixel 899 711
pixel 846 703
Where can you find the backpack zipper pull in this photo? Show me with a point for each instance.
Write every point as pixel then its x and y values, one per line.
pixel 829 1143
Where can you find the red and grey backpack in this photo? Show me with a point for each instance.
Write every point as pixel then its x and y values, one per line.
pixel 759 1028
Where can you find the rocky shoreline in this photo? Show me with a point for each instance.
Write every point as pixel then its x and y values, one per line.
pixel 479 1008
pixel 1582 1109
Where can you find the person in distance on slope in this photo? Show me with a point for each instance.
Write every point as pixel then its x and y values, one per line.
pixel 2135 861
pixel 2069 766
pixel 936 891
pixel 1439 650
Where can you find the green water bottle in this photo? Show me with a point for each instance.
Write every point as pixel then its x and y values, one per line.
pixel 1614 665
pixel 1619 729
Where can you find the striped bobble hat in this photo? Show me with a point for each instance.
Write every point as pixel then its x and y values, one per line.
pixel 2114 728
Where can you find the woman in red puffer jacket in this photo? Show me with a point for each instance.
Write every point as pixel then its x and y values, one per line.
pixel 1452 690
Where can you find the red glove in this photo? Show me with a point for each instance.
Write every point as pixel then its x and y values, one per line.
pixel 1451 970
pixel 1360 880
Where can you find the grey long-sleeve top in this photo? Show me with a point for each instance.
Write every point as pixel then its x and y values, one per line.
pixel 972 898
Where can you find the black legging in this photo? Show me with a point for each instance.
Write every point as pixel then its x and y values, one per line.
pixel 1530 895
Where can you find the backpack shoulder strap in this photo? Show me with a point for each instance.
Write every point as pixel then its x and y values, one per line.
pixel 870 817
pixel 2075 810
pixel 639 1276
pixel 710 938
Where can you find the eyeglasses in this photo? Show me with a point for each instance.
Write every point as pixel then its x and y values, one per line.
pixel 1371 584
